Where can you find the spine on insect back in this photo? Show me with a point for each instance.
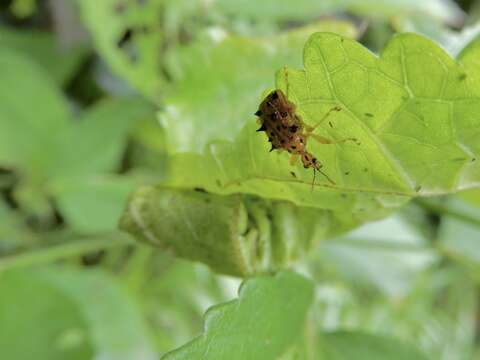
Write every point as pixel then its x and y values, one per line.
pixel 234 235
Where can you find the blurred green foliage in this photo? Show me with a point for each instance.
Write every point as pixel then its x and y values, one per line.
pixel 99 98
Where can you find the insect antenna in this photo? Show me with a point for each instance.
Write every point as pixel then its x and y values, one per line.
pixel 313 180
pixel 324 174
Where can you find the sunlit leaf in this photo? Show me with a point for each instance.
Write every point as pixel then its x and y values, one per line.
pixel 219 80
pixel 412 111
pixel 404 125
pixel 409 124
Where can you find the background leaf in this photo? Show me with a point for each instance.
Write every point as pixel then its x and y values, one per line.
pixel 93 203
pixel 217 91
pixel 95 143
pixel 254 324
pixel 128 35
pixel 304 9
pixel 25 129
pixel 359 346
pixel 52 152
pixel 73 323
pixel 389 255
pixel 44 48
pixel 405 131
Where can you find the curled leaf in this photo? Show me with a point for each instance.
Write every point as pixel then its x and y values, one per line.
pixel 233 234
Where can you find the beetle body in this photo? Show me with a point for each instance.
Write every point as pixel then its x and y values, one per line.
pixel 284 128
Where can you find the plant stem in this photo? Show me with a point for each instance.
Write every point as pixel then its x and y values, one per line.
pixel 65 249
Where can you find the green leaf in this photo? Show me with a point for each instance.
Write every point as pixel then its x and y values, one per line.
pixel 459 241
pixel 388 255
pixel 26 123
pixel 447 11
pixel 416 319
pixel 218 82
pixel 74 324
pixel 92 203
pixel 234 235
pixel 347 345
pixel 167 294
pixel 52 152
pixel 115 324
pixel 128 35
pixel 61 245
pixel 457 237
pixel 95 144
pixel 472 197
pixel 64 335
pixel 13 232
pixel 452 41
pixel 272 10
pixel 410 108
pixel 264 323
pixel 23 8
pixel 44 49
pixel 412 111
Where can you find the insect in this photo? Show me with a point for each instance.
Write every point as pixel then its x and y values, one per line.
pixel 286 130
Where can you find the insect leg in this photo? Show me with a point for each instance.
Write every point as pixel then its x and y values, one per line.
pixel 312 128
pixel 323 140
pixel 294 158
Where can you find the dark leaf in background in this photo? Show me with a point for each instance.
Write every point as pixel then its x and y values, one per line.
pixel 73 315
